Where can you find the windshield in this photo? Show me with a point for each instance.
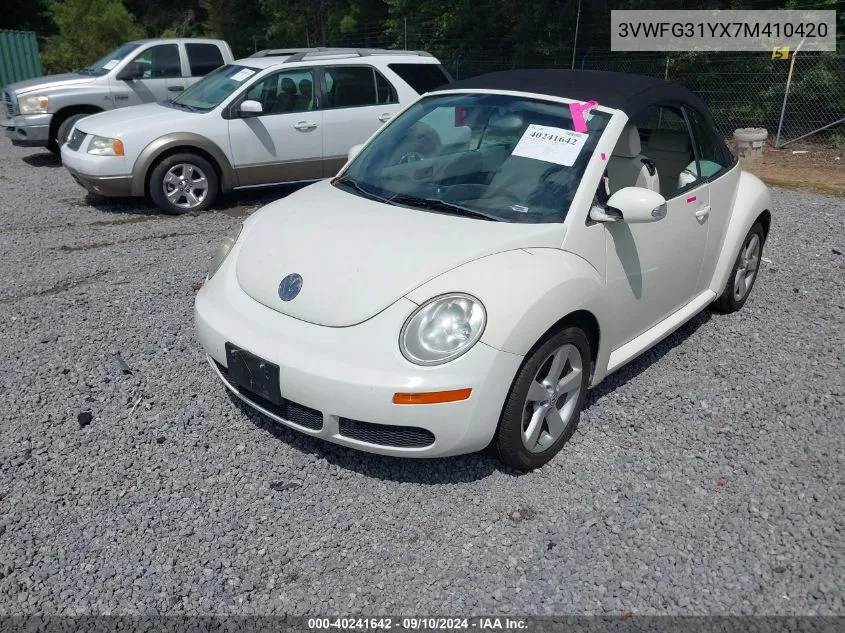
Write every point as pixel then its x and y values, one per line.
pixel 490 156
pixel 214 88
pixel 104 65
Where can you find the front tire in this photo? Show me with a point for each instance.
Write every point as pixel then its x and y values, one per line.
pixel 63 132
pixel 544 404
pixel 744 272
pixel 183 183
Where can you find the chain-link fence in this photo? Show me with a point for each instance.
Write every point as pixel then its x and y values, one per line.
pixel 797 99
pixel 741 89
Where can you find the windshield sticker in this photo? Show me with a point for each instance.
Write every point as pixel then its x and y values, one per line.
pixel 578 112
pixel 111 64
pixel 550 144
pixel 243 75
pixel 519 208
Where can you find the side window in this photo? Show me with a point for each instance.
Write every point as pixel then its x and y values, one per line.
pixel 385 92
pixel 160 62
pixel 712 155
pixel 356 86
pixel 665 142
pixel 421 77
pixel 285 92
pixel 203 58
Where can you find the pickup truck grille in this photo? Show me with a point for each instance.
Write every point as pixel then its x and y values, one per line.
pixel 9 105
pixel 75 140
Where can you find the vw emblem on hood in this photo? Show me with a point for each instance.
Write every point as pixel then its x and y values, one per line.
pixel 290 287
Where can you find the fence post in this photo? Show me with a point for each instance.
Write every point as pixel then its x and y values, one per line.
pixel 786 96
pixel 406 32
pixel 666 72
pixel 575 42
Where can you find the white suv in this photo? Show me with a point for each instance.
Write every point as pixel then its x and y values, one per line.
pixel 279 116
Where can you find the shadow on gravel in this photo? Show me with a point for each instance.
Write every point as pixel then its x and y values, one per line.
pixel 463 468
pixel 446 470
pixel 239 204
pixel 137 206
pixel 641 363
pixel 45 159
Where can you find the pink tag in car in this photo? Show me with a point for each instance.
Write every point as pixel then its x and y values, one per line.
pixel 577 110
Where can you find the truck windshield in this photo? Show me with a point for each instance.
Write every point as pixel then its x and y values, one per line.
pixel 104 65
pixel 214 88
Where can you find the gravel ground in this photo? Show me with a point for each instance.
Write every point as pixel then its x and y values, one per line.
pixel 705 478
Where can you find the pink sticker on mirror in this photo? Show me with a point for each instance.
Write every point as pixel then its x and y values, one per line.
pixel 692 199
pixel 577 110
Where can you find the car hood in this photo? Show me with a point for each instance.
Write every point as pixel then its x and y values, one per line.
pixel 357 256
pixel 50 82
pixel 139 120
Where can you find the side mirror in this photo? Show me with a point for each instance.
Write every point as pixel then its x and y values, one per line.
pixel 251 108
pixel 353 151
pixel 130 72
pixel 637 204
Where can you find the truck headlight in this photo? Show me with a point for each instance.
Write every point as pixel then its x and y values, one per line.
pixel 442 329
pixel 102 146
pixel 33 104
pixel 223 250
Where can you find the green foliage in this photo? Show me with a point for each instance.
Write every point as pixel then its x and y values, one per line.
pixel 87 30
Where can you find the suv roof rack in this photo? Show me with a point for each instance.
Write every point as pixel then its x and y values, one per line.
pixel 302 54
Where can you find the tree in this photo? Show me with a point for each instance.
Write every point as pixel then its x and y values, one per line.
pixel 87 30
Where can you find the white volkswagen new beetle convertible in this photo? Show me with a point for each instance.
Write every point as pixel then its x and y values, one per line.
pixel 451 290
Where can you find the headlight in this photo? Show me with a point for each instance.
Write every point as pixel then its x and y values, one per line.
pixel 102 146
pixel 33 104
pixel 442 329
pixel 223 250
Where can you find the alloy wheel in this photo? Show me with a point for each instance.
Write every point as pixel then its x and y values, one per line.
pixel 749 263
pixel 552 398
pixel 185 185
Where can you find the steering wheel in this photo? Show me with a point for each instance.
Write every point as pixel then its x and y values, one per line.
pixel 420 142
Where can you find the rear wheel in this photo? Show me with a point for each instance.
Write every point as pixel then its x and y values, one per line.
pixel 183 183
pixel 744 272
pixel 544 405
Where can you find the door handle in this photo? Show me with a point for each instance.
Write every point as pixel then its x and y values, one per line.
pixel 305 126
pixel 385 117
pixel 121 97
pixel 703 212
pixel 176 88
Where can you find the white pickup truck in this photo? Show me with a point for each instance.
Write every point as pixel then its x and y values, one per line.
pixel 41 112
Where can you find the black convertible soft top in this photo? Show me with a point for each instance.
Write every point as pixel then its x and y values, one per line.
pixel 621 91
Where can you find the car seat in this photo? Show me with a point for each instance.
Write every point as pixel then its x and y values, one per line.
pixel 627 167
pixel 286 101
pixel 303 101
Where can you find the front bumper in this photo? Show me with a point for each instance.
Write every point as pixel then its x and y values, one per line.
pixel 104 175
pixel 348 376
pixel 32 130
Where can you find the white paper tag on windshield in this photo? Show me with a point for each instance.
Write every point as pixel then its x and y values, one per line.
pixel 111 64
pixel 550 144
pixel 243 75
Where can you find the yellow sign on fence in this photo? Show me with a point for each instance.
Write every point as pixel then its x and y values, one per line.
pixel 780 52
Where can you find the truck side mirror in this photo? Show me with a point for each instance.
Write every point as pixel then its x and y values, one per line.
pixel 132 71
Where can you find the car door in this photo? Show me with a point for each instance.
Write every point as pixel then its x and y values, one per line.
pixel 160 68
pixel 717 167
pixel 357 101
pixel 285 142
pixel 653 268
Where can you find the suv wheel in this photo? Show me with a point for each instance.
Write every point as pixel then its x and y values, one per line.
pixel 183 183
